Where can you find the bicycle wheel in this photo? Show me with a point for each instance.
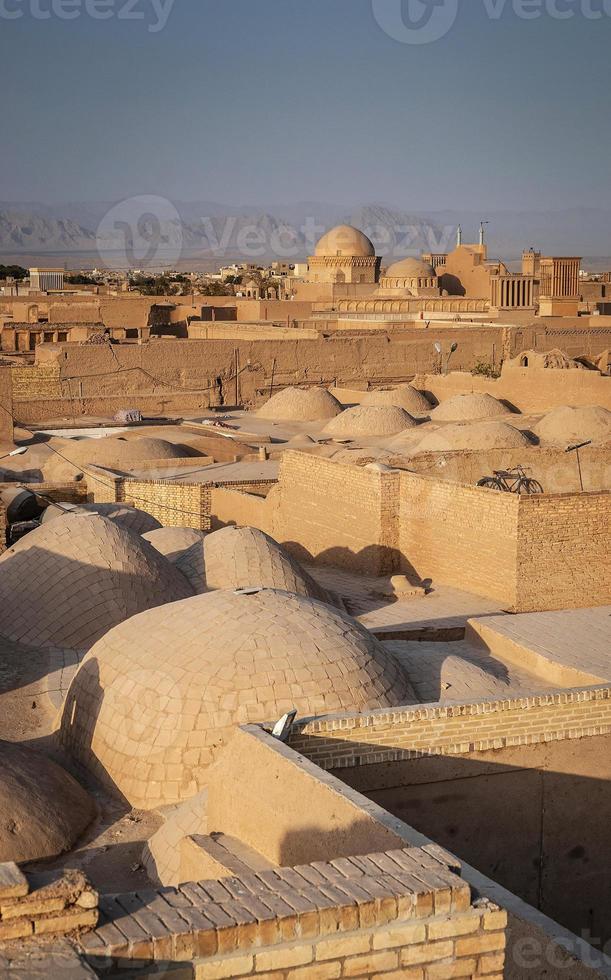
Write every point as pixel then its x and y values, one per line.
pixel 526 485
pixel 491 483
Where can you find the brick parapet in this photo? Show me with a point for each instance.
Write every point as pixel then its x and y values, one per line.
pixel 171 502
pixel 349 917
pixel 379 736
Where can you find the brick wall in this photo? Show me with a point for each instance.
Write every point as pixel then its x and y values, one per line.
pixel 45 904
pixel 467 944
pixel 341 515
pixel 564 555
pixel 458 729
pixel 6 405
pixel 172 503
pixel 555 471
pixel 460 535
pixel 240 509
pixel 527 553
pixel 387 915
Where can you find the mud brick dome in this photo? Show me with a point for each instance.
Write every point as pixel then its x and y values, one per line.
pixel 43 810
pixel 301 405
pixel 369 421
pixel 237 558
pixel 465 408
pixel 566 425
pixel 130 518
pixel 472 436
pixel 71 580
pixel 404 396
pixel 110 451
pixel 158 697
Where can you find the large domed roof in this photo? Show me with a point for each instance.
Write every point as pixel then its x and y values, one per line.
pixel 43 810
pixel 301 405
pixel 124 515
pixel 367 421
pixel 235 558
pixel 238 558
pixel 110 451
pixel 404 396
pixel 565 425
pixel 71 580
pixel 469 407
pixel 158 697
pixel 472 436
pixel 345 240
pixel 410 268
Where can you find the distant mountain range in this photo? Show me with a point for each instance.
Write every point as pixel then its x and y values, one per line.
pixel 208 234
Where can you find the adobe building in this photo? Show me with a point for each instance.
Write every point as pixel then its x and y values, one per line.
pixel 345 270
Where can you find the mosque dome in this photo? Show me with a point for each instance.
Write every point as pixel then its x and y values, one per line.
pixel 369 421
pixel 71 580
pixel 157 698
pixel 301 405
pixel 123 515
pixel 43 810
pixel 410 268
pixel 344 240
pixel 466 408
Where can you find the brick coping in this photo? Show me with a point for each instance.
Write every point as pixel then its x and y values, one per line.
pixel 388 718
pixel 210 918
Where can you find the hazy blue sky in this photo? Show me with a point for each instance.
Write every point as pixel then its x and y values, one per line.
pixel 269 101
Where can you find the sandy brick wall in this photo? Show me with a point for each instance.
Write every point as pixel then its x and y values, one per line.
pixel 49 904
pixel 6 405
pixel 172 503
pixel 460 535
pixel 564 554
pixel 555 471
pixel 467 944
pixel 340 515
pixel 458 729
pixel 241 509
